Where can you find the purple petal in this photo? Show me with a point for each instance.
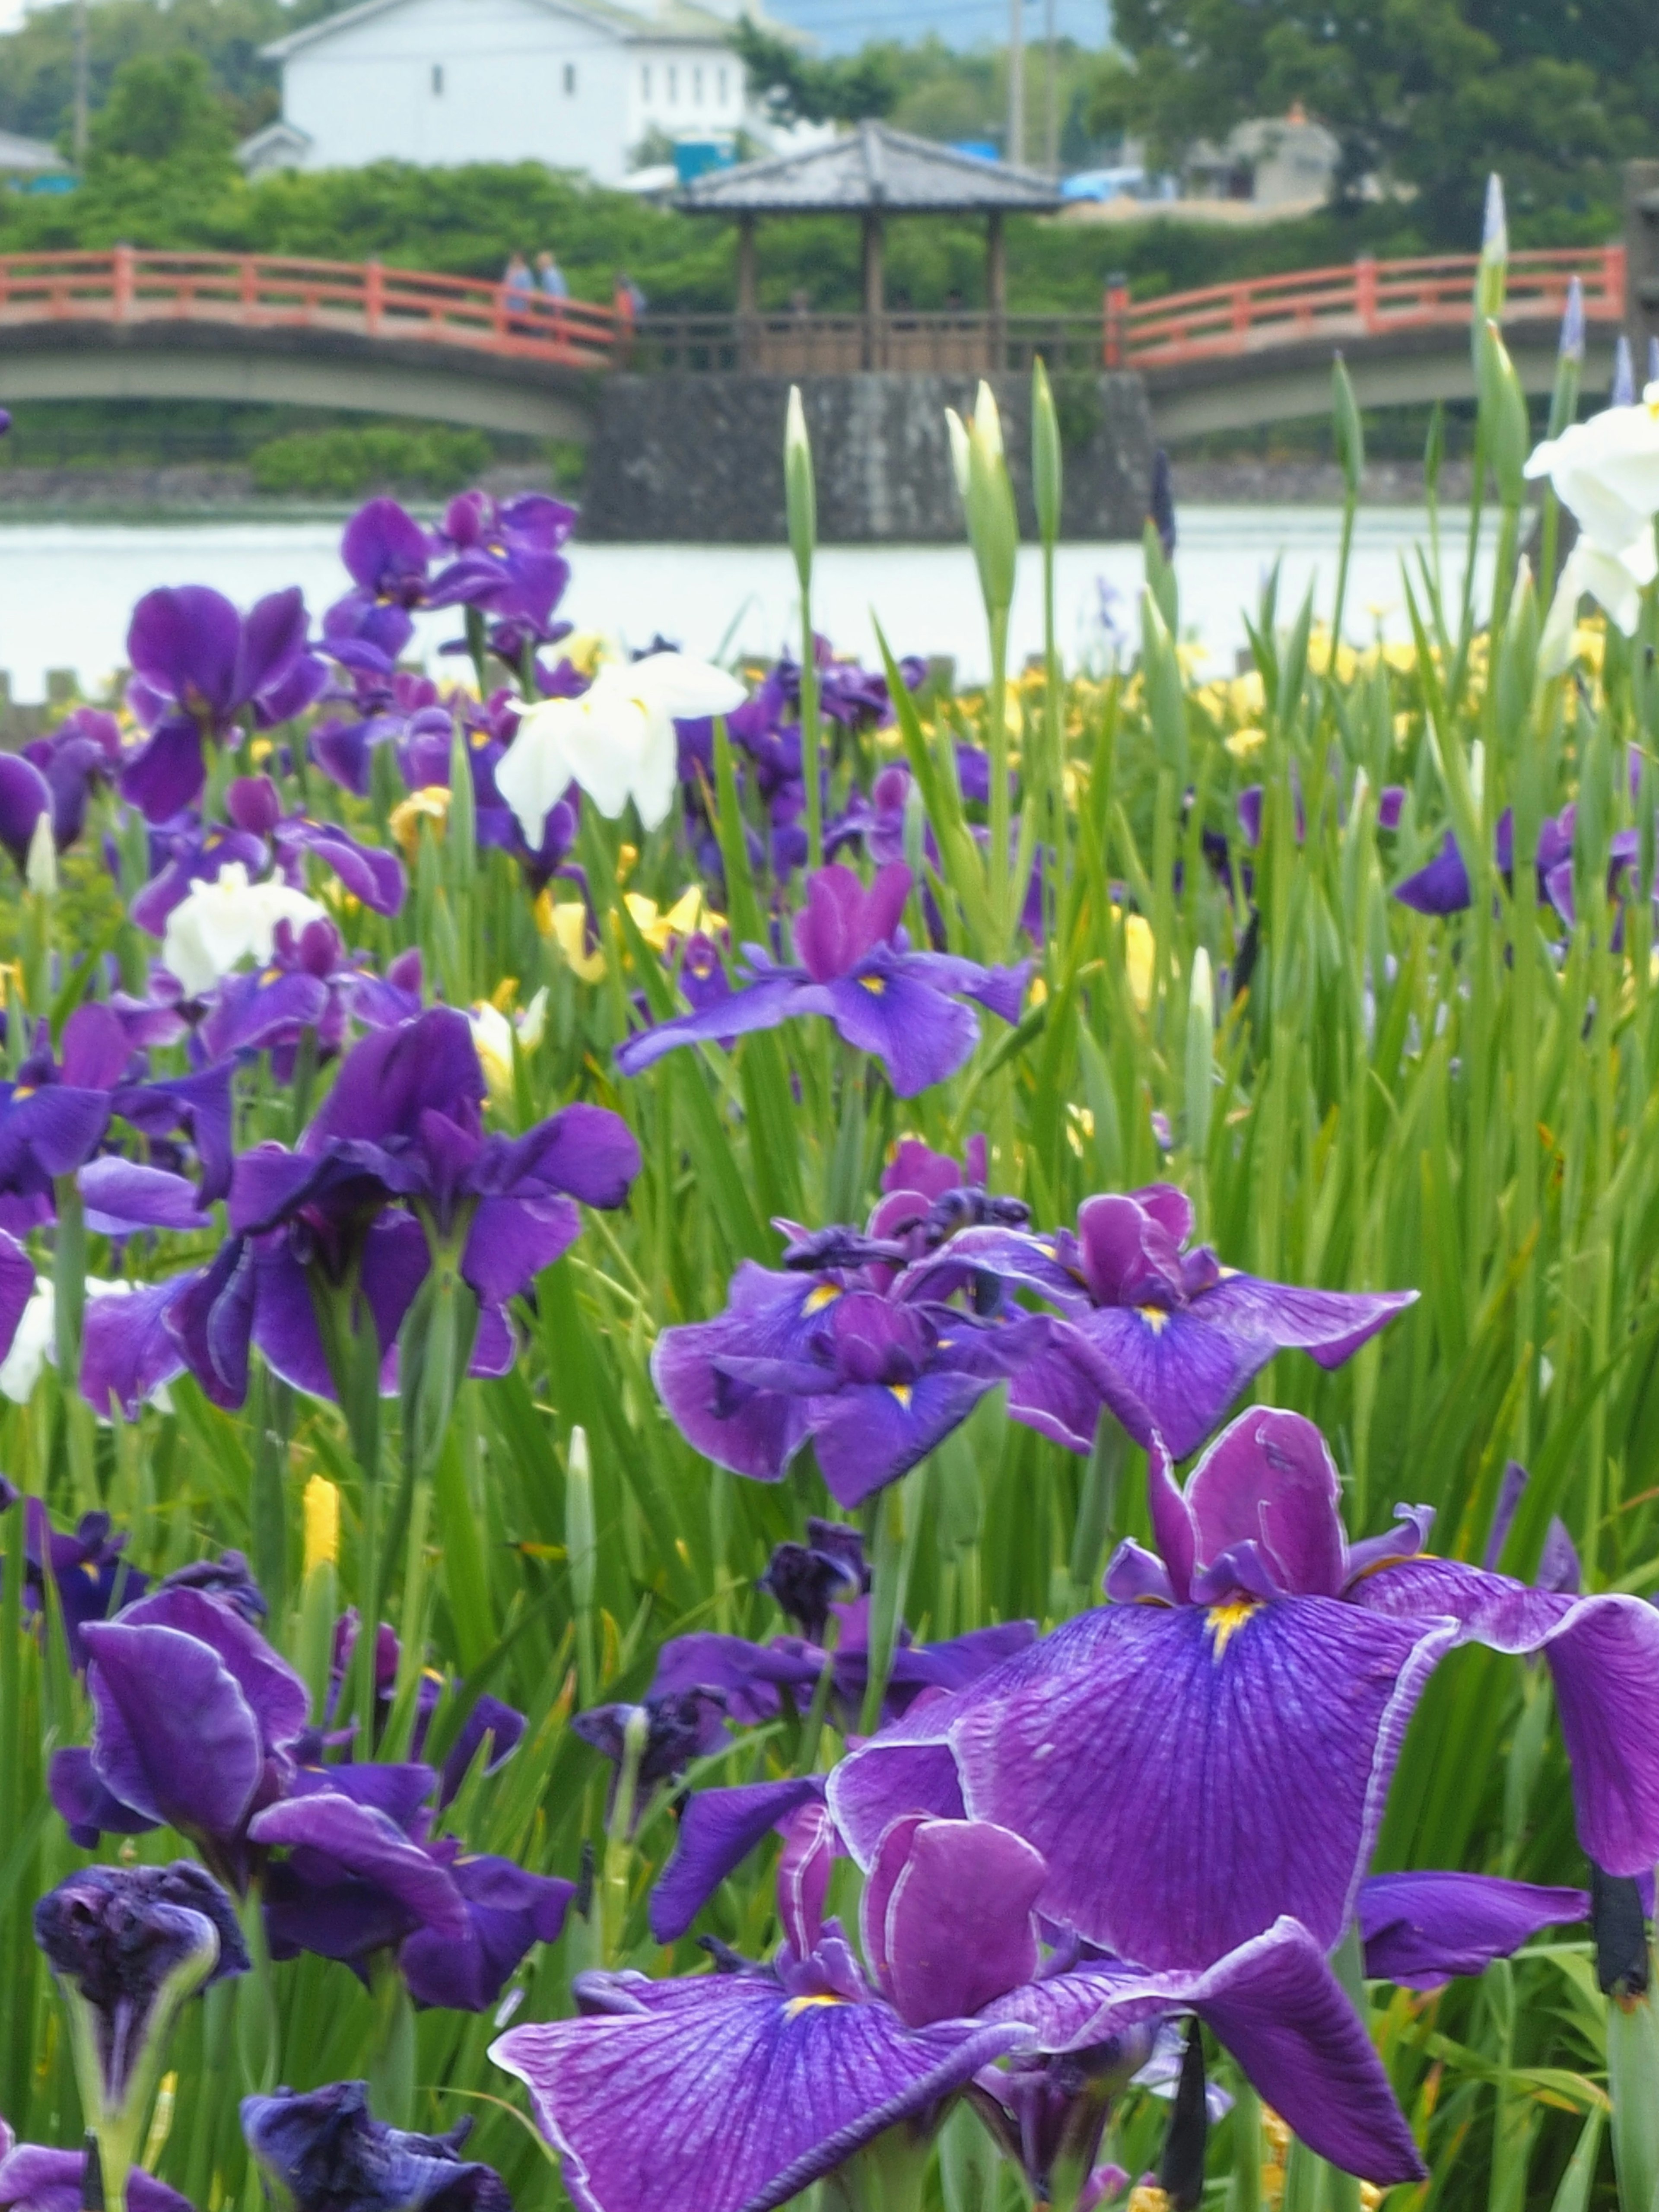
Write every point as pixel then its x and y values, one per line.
pixel 1269 1478
pixel 1443 887
pixel 718 1830
pixel 184 643
pixel 920 1036
pixel 122 1196
pixel 584 1152
pixel 1420 1930
pixel 762 1006
pixel 165 775
pixel 871 1434
pixel 748 1677
pixel 511 1240
pixel 373 876
pixel 1276 2005
pixel 16 1288
pixel 272 639
pixel 1172 1375
pixel 1188 1776
pixel 37 2180
pixel 841 922
pixel 390 1079
pixel 946 1916
pixel 1330 1325
pixel 507 1909
pixel 1603 1653
pixel 275 1696
pixel 25 796
pixel 750 1431
pixel 173 1737
pixel 87 1807
pixel 724 2094
pixel 1129 1257
pixel 127 1352
pixel 363 1843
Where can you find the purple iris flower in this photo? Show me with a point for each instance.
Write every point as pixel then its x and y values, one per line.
pixel 308 983
pixel 804 1580
pixel 1442 886
pixel 679 1725
pixel 1256 1676
pixel 89 1569
pixel 1155 1329
pixel 387 555
pixel 507 562
pixel 488 1722
pixel 830 1350
pixel 322 2152
pixel 186 852
pixel 857 971
pixel 198 665
pixel 1420 1930
pixel 55 777
pixel 360 1877
pixel 35 2179
pixel 385 705
pixel 734 2091
pixel 128 1946
pixel 403 1123
pixel 371 875
pixel 196 1722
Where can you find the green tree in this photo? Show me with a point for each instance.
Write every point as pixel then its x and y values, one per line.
pixel 795 89
pixel 1419 91
pixel 161 109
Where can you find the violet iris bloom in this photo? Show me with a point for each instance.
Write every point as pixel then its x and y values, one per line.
pixel 373 876
pixel 360 1877
pixel 322 2152
pixel 387 554
pixel 1420 1930
pixel 91 1574
pixel 875 1380
pixel 1442 886
pixel 196 1722
pixel 81 755
pixel 679 1725
pixel 128 1946
pixel 385 705
pixel 188 852
pixel 1256 1675
pixel 1158 1331
pixel 804 1579
pixel 198 665
pixel 508 564
pixel 35 2179
pixel 308 983
pixel 856 971
pixel 799 2066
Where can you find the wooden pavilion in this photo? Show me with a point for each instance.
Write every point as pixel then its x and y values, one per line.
pixel 873 174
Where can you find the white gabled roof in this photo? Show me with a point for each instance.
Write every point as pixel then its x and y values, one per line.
pixel 677 22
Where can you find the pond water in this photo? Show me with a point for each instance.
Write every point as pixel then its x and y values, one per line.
pixel 66 589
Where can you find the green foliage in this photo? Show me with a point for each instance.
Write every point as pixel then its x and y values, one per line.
pixel 1431 93
pixel 37 60
pixel 795 89
pixel 344 464
pixel 161 110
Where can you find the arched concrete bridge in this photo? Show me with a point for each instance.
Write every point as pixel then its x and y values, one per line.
pixel 130 325
pixel 1234 355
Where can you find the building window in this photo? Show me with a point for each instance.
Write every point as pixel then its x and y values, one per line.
pixel 720 82
pixel 645 81
pixel 437 79
pixel 570 78
pixel 673 85
pixel 696 88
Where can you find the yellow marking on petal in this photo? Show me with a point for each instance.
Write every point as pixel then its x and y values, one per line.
pixel 875 985
pixel 24 1091
pixel 1225 1622
pixel 1225 1274
pixel 1155 1318
pixel 903 1393
pixel 826 1294
pixel 796 2006
pixel 504 994
pixel 269 974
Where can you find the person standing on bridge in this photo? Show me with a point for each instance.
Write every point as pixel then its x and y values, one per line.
pixel 516 277
pixel 551 279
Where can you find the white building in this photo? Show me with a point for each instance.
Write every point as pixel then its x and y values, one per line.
pixel 575 83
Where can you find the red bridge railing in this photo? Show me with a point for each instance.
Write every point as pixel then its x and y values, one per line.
pixel 257 291
pixel 1364 300
pixel 1343 306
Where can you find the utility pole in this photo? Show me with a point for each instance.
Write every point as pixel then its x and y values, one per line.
pixel 1051 94
pixel 1016 81
pixel 80 122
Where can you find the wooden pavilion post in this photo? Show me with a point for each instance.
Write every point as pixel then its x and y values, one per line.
pixel 748 291
pixel 996 290
pixel 875 300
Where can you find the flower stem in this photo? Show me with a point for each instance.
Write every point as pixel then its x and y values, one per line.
pixel 898 1524
pixel 619 1835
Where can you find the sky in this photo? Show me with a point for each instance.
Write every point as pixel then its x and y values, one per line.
pixel 842 25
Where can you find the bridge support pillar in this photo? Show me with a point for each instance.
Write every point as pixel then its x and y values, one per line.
pixel 1641 260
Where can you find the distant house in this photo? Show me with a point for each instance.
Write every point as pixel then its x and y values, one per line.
pixel 29 165
pixel 579 84
pixel 1286 161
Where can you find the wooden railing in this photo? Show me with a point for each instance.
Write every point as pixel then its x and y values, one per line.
pixel 1343 306
pixel 257 291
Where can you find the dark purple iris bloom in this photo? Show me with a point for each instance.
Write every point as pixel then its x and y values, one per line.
pixel 403 1123
pixel 25 798
pixel 229 1579
pixel 1159 1331
pixel 488 1722
pixel 360 1877
pixel 373 876
pixel 387 554
pixel 83 754
pixel 322 2152
pixel 91 1575
pixel 874 1377
pixel 35 2179
pixel 857 971
pixel 54 1117
pixel 423 759
pixel 198 665
pixel 805 1579
pixel 308 983
pixel 128 1946
pixel 733 2091
pixel 507 563
pixel 928 1198
pixel 1420 1930
pixel 854 696
pixel 1257 1675
pixel 1442 886
pixel 385 705
pixel 195 1724
pixel 678 1725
